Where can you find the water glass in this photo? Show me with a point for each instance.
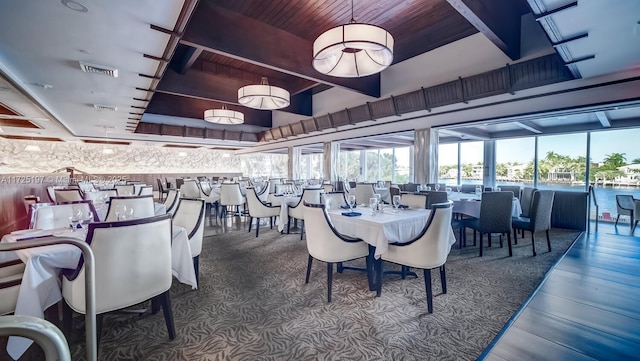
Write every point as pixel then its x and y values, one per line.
pixel 351 200
pixel 120 212
pixel 448 189
pixel 478 191
pixel 396 202
pixel 437 186
pixel 373 202
pixel 458 187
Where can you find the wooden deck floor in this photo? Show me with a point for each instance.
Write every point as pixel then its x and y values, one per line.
pixel 586 308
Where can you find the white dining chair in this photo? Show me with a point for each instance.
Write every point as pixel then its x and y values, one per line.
pixel 364 191
pixel 259 209
pixel 415 201
pixel 132 265
pixel 326 244
pixel 190 216
pixel 172 200
pixel 11 272
pixel 142 207
pixel 333 200
pixel 52 216
pixel 231 197
pixel 67 195
pixel 190 189
pixel 146 191
pixel 125 189
pixel 426 251
pixel 296 212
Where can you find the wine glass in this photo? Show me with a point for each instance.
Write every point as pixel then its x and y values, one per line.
pixel 120 212
pixel 478 191
pixel 437 186
pixel 396 202
pixel 458 187
pixel 373 202
pixel 351 200
pixel 498 189
pixel 448 190
pixel 86 219
pixel 75 219
pixel 378 198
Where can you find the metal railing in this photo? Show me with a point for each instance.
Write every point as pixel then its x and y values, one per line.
pixel 48 338
pixel 592 199
pixel 43 332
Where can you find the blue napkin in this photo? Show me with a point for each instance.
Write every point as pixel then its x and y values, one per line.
pixel 403 206
pixel 346 207
pixel 278 195
pixel 351 214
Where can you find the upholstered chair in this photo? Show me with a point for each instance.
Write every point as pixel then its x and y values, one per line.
pixel 413 200
pixel 625 207
pixel 364 191
pixel 515 189
pixel 97 196
pixel 28 201
pixel 190 189
pixel 142 207
pixel 132 265
pixel 10 279
pixel 526 198
pixel 435 197
pixel 326 244
pixel 125 189
pixel 410 187
pixel 146 191
pixel 540 219
pixel 327 188
pixel 333 200
pixel 311 196
pixel 428 250
pixel 259 209
pixel 171 202
pixel 50 216
pixel 495 217
pixel 231 196
pixel 469 188
pixel 67 195
pixel 190 216
pixel 162 191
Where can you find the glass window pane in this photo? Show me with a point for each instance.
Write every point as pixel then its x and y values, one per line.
pixel 448 163
pixel 562 162
pixel 615 169
pixel 372 166
pixel 386 164
pixel 514 161
pixel 471 162
pixel 403 165
pixel 350 165
pixel 265 165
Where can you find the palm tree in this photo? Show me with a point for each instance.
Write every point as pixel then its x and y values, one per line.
pixel 614 160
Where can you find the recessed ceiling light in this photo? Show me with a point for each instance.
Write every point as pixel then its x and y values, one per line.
pixel 43 85
pixel 74 5
pixel 182 154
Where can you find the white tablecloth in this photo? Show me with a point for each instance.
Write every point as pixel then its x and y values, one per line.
pixel 40 288
pixel 284 203
pixel 469 204
pixel 382 229
pixel 102 209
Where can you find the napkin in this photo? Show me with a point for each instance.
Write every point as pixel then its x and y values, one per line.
pixel 346 207
pixel 351 214
pixel 403 206
pixel 278 195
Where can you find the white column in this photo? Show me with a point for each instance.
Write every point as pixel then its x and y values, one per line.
pixel 331 161
pixel 425 153
pixel 489 168
pixel 294 162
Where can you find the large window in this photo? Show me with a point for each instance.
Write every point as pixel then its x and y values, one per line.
pixel 265 165
pixel 562 161
pixel 403 165
pixel 514 161
pixel 350 165
pixel 448 163
pixel 372 168
pixel 471 162
pixel 311 166
pixel 388 164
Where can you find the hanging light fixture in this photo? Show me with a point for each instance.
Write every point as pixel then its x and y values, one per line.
pixel 223 116
pixel 353 50
pixel 263 96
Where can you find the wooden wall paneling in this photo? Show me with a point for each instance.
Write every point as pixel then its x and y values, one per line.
pixel 324 122
pixel 296 128
pixel 309 125
pixel 410 102
pixel 340 118
pixel 360 113
pixel 382 108
pixel 486 84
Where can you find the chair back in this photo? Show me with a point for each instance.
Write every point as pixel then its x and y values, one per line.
pixel 273 183
pixel 50 216
pixel 541 210
pixel 160 186
pixel 231 195
pixel 97 196
pixel 51 193
pixel 413 200
pixel 125 189
pixel 394 191
pixel 28 201
pixel 257 208
pixel 142 207
pixel 431 247
pixel 410 187
pixel 189 189
pixel 515 189
pixel 435 197
pixel 364 191
pixel 190 216
pixel 324 242
pixel 495 212
pixel 526 198
pixel 171 202
pixel 311 196
pixel 624 204
pixel 132 264
pixel 327 188
pixel 333 200
pixel 67 195
pixel 205 188
pixel 146 191
pixel 179 182
pixel 469 188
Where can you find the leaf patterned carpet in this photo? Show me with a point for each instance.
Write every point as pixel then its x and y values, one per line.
pixel 253 304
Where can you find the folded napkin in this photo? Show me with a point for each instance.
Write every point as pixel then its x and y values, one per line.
pixel 351 214
pixel 346 207
pixel 278 195
pixel 403 206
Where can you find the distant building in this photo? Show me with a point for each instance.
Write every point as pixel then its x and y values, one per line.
pixel 516 171
pixel 561 174
pixel 631 174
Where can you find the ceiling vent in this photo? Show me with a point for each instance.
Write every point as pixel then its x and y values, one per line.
pixel 105 107
pixel 100 69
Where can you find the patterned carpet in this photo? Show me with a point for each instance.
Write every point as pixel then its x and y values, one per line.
pixel 253 304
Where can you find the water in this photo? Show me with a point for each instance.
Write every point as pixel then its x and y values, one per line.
pixel 606 196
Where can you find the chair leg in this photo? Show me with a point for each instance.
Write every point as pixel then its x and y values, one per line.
pixel 250 224
pixel 301 230
pixel 533 243
pixel 500 240
pixel 67 317
pixel 480 243
pixel 257 226
pixel 515 236
pixel 443 279
pixel 548 240
pixel 165 300
pixel 99 322
pixel 271 222
pixel 339 267
pixel 617 218
pixel 488 239
pixel 427 286
pixel 196 268
pixel 308 269
pixel 329 280
pixel 379 277
pixel 288 225
pixel 509 244
pixel 155 305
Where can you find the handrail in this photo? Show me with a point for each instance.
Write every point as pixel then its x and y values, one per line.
pixel 43 332
pixel 89 283
pixel 592 196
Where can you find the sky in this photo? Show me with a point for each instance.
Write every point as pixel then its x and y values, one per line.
pixel 521 150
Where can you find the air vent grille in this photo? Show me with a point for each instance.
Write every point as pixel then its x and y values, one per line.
pixel 105 107
pixel 100 69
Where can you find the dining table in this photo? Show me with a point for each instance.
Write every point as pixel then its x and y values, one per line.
pixel 284 201
pixel 469 204
pixel 40 287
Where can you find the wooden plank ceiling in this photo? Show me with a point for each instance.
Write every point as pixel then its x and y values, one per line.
pixel 228 44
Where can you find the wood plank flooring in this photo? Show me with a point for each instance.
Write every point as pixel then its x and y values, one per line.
pixel 586 308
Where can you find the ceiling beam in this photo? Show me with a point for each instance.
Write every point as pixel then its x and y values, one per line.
pixel 604 120
pixel 191 54
pixel 240 37
pixel 467 133
pixel 204 85
pixel 525 124
pixel 498 20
